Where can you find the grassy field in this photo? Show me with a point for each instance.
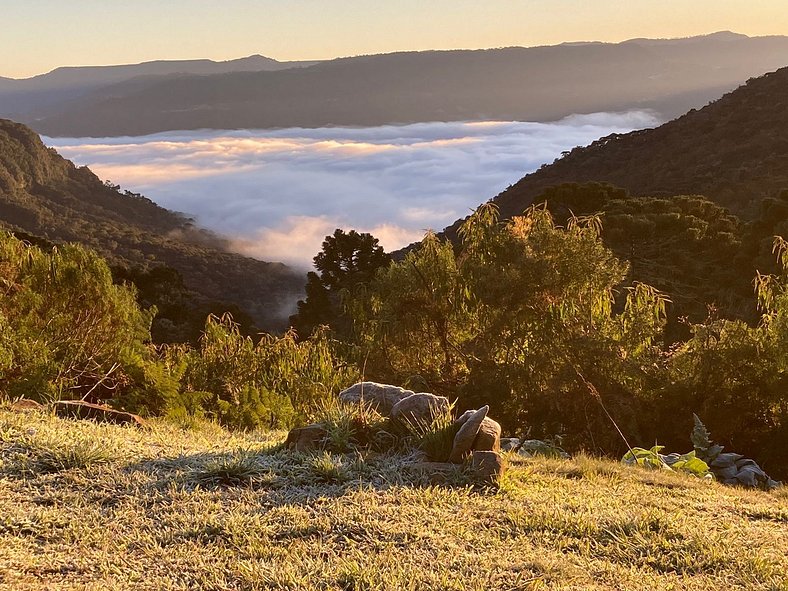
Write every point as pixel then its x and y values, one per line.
pixel 85 506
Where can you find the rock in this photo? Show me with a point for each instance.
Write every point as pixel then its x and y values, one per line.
pixel 750 476
pixel 418 409
pixel 463 440
pixel 463 417
pixel 509 443
pixel 725 460
pixel 381 397
pixel 75 409
pixel 724 474
pixel 487 467
pixel 25 405
pixel 530 448
pixel 489 436
pixel 309 438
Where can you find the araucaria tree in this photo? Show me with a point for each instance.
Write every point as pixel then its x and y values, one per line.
pixel 347 260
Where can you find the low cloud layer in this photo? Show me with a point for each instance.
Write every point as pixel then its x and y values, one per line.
pixel 277 194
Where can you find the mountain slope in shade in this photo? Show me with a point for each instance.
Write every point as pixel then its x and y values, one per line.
pixel 45 195
pixel 734 151
pixel 69 83
pixel 529 84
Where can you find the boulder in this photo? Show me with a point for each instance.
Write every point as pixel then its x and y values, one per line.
pixel 460 420
pixel 509 443
pixel 75 409
pixel 418 409
pixel 489 436
pixel 487 467
pixel 380 397
pixel 463 440
pixel 309 438
pixel 25 405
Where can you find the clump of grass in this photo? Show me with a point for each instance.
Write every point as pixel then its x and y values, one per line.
pixel 47 452
pixel 352 426
pixel 240 468
pixel 329 469
pixel 435 437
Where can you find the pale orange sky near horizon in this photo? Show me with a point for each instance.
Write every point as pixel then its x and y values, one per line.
pixel 40 35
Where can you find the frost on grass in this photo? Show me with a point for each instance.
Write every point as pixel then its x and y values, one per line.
pixel 84 506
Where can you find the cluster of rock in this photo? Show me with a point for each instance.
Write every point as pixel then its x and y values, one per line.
pixel 477 441
pixel 728 468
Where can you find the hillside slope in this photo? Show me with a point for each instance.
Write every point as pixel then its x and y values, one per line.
pixel 733 151
pixel 530 84
pixel 85 506
pixel 45 195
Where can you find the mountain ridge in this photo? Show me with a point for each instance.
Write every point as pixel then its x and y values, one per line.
pixel 47 196
pixel 532 84
pixel 730 151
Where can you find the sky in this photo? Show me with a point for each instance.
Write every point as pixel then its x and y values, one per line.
pixel 40 35
pixel 277 194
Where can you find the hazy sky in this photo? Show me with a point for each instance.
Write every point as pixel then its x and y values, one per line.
pixel 39 35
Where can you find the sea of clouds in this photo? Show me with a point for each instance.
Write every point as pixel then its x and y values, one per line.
pixel 277 194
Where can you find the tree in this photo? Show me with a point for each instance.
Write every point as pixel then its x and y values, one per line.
pixel 521 317
pixel 347 260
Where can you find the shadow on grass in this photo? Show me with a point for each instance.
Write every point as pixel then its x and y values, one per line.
pixel 296 477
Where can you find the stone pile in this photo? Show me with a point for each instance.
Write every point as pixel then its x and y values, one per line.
pixel 476 444
pixel 729 468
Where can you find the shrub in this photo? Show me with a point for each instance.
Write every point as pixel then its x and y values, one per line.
pixel 273 384
pixel 66 331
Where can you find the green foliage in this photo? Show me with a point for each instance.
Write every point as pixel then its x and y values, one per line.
pixel 66 331
pixel 347 260
pixel 351 426
pixel 271 384
pixel 701 441
pixel 436 437
pixel 520 317
pixel 652 458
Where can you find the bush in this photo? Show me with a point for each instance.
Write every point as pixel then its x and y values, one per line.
pixel 66 331
pixel 273 384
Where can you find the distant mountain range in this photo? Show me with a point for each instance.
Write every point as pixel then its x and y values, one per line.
pixel 529 84
pixel 47 197
pixel 62 85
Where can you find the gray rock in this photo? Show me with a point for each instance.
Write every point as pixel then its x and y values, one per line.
pixel 381 397
pixel 724 474
pixel 725 460
pixel 487 467
pixel 463 417
pixel 418 409
pixel 489 436
pixel 509 443
pixel 750 476
pixel 463 440
pixel 309 438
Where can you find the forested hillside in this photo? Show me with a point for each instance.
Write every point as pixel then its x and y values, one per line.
pixel 733 151
pixel 47 196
